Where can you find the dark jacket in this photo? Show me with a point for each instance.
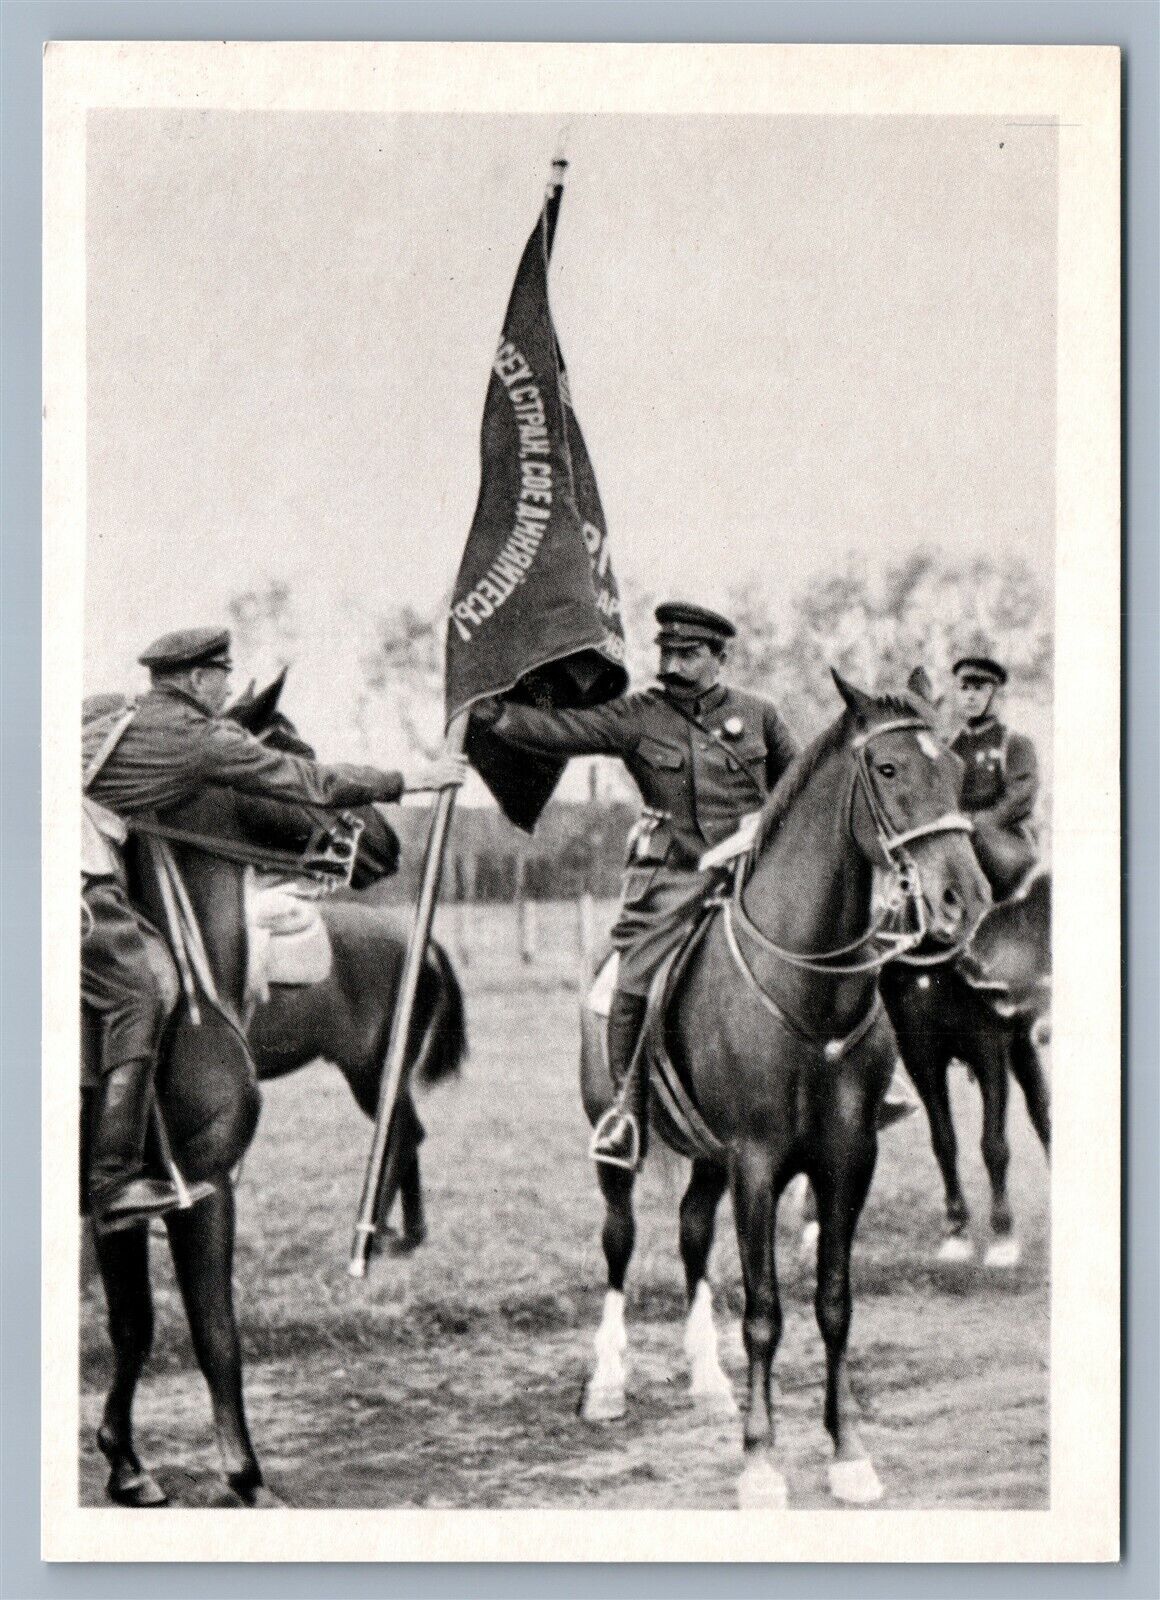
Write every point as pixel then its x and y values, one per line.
pixel 1001 776
pixel 173 748
pixel 680 770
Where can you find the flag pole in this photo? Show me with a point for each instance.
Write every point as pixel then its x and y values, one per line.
pixel 396 1060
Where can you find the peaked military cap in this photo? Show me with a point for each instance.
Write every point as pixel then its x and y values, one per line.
pixel 684 623
pixel 985 667
pixel 191 647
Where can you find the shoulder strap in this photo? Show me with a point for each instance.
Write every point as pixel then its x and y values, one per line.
pixel 108 744
pixel 734 760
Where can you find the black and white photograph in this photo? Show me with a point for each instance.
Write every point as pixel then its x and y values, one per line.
pixel 581 651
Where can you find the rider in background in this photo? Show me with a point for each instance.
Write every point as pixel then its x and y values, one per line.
pixel 1000 778
pixel 141 760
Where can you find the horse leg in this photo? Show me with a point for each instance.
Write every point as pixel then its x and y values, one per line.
pixel 202 1245
pixel 1004 1249
pixel 1027 1070
pixel 604 1394
pixel 755 1210
pixel 401 1178
pixel 956 1245
pixel 123 1259
pixel 707 1382
pixel 842 1182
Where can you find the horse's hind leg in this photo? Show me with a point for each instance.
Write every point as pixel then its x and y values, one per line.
pixel 1027 1070
pixel 842 1179
pixel 754 1210
pixel 124 1262
pixel 707 1383
pixel 1004 1249
pixel 402 1178
pixel 202 1243
pixel 604 1393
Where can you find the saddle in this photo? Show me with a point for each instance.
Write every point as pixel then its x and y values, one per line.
pixel 676 1114
pixel 287 942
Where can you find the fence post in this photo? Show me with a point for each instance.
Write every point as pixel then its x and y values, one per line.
pixel 587 936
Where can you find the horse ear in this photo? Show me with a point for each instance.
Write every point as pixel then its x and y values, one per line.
pixel 263 705
pixel 858 702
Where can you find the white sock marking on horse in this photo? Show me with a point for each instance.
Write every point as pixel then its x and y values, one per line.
pixel 855 1483
pixel 707 1381
pixel 761 1487
pixel 1003 1254
pixel 604 1392
pixel 956 1248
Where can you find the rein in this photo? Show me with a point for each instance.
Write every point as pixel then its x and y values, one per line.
pixel 900 942
pixel 328 858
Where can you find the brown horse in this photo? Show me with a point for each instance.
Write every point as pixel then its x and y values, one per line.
pixel 777 1033
pixel 940 1015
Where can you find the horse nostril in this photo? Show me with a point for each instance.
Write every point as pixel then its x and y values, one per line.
pixel 953 900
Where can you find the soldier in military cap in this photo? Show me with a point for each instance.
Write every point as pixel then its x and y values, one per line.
pixel 1001 777
pixel 141 761
pixel 703 755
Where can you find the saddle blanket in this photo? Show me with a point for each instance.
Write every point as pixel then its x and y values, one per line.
pixel 286 938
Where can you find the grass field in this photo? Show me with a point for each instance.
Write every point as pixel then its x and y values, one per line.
pixel 453 1379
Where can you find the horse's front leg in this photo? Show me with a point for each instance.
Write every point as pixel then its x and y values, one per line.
pixel 957 1245
pixel 842 1179
pixel 754 1208
pixel 708 1384
pixel 604 1397
pixel 202 1243
pixel 1004 1250
pixel 123 1258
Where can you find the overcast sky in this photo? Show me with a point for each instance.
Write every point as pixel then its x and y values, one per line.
pixel 787 338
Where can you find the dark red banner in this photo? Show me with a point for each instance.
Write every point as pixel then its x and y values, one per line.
pixel 535 614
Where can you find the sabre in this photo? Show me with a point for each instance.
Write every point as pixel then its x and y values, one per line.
pixel 365 1226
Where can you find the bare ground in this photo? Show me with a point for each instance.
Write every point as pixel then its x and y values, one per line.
pixel 453 1379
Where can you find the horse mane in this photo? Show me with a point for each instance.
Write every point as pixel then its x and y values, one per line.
pixel 799 772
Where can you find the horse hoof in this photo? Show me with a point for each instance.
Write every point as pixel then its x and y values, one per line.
pixel 263 1498
pixel 251 1497
pixel 955 1249
pixel 603 1404
pixel 138 1490
pixel 855 1483
pixel 403 1244
pixel 1003 1254
pixel 761 1487
pixel 808 1243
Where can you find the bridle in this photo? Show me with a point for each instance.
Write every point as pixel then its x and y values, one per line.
pixel 895 941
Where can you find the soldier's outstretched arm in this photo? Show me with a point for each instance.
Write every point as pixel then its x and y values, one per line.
pixel 607 730
pixel 229 756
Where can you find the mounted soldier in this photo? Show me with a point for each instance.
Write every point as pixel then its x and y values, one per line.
pixel 704 756
pixel 140 761
pixel 1000 780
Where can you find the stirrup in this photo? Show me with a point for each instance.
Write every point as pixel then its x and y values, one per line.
pixel 623 1120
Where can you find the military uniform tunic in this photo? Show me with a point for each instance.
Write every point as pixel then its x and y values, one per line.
pixel 999 789
pixel 695 793
pixel 167 754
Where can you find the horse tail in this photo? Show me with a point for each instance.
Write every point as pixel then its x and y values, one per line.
pixel 447 1028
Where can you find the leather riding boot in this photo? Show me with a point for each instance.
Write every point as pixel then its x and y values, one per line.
pixel 121 1194
pixel 617 1139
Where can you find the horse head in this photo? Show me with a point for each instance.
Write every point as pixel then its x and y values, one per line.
pixel 259 712
pixel 904 809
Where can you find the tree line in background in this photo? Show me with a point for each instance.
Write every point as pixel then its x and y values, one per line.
pixel 368 684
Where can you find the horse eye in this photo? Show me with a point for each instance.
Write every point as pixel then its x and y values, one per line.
pixel 886 768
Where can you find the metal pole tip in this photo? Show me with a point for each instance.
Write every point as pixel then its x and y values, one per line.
pixel 356 1267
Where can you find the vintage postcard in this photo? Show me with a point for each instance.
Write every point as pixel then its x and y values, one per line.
pixel 582 670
